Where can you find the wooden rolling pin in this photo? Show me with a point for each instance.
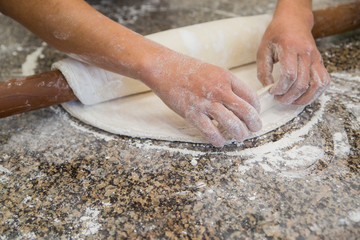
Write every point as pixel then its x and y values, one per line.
pixel 50 88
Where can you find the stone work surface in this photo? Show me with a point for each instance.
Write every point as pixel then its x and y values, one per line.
pixel 62 179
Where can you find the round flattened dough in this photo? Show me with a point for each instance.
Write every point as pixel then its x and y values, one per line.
pixel 144 115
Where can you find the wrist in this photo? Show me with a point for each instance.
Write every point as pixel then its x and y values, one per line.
pixel 295 9
pixel 154 63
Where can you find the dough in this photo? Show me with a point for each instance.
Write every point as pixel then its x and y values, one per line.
pixel 144 115
pixel 125 106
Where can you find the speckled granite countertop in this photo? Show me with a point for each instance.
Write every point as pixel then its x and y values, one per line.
pixel 62 179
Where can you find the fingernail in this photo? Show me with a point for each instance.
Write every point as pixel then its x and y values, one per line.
pixel 217 141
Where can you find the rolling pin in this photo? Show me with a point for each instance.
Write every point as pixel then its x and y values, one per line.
pixel 50 88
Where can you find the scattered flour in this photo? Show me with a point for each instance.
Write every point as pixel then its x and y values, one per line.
pixel 28 67
pixel 126 15
pixel 106 204
pixel 355 109
pixel 90 221
pixel 243 168
pixel 354 215
pixel 13 49
pixel 4 170
pixel 4 179
pixel 81 128
pixel 3 48
pixel 26 199
pixel 30 236
pixel 341 144
pixel 345 75
pixel 200 184
pixel 194 162
pixel 148 145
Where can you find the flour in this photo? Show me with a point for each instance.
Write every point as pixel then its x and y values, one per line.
pixel 290 138
pixel 30 236
pixel 11 48
pixel 90 222
pixel 26 199
pixel 194 162
pixel 354 215
pixel 126 15
pixel 148 145
pixel 83 129
pixel 98 135
pixel 4 170
pixel 345 75
pixel 28 67
pixel 341 144
pixel 3 48
pixel 4 179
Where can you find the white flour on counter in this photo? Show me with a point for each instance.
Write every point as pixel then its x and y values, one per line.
pixel 4 172
pixel 90 221
pixel 82 128
pixel 30 64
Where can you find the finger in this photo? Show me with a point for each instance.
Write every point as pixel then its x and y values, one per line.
pixel 207 127
pixel 302 83
pixel 288 73
pixel 245 92
pixel 231 123
pixel 265 64
pixel 244 111
pixel 319 81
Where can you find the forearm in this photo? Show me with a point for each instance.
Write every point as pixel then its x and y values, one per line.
pixel 74 27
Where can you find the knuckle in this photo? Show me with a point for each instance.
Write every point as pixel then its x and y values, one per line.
pixel 321 82
pixel 283 86
pixel 218 92
pixel 289 74
pixel 326 80
pixel 308 48
pixel 302 87
pixel 317 84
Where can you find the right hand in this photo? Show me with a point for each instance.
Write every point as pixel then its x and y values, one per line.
pixel 201 92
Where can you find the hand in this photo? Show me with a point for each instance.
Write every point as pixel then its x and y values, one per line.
pixel 201 92
pixel 303 77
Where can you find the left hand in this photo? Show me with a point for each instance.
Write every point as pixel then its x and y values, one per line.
pixel 303 77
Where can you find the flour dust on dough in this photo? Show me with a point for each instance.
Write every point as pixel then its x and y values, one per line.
pixel 125 106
